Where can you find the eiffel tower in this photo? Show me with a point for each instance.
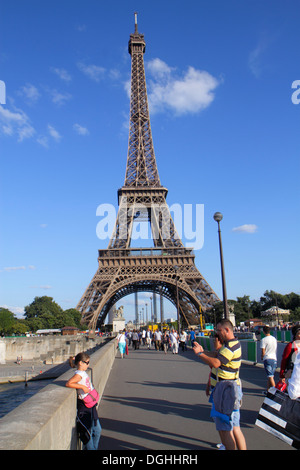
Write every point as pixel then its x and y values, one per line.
pixel 167 268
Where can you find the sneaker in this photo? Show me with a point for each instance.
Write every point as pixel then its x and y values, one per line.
pixel 221 447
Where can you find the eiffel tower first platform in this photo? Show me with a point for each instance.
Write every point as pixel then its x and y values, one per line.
pixel 167 268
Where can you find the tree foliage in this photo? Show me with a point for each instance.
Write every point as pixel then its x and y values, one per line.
pixel 245 308
pixel 42 313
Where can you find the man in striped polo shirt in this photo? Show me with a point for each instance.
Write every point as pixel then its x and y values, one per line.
pixel 227 361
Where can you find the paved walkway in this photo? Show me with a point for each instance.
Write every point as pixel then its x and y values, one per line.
pixel 154 401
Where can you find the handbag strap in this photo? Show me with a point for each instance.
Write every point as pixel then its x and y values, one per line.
pixel 92 396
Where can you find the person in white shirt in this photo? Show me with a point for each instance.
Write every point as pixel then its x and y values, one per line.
pixel 174 341
pixel 157 337
pixel 182 340
pixel 148 338
pixel 268 347
pixel 121 338
pixel 88 424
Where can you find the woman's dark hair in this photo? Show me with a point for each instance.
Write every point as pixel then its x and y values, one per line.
pixel 74 361
pixel 295 329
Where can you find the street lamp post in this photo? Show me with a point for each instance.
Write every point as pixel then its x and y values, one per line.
pixel 152 319
pixel 177 299
pixel 218 217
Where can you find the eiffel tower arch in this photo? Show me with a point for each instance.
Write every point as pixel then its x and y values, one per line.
pixel 167 267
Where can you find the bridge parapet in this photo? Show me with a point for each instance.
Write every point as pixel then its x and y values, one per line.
pixel 47 420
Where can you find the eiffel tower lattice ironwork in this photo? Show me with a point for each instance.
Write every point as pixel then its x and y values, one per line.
pixel 168 268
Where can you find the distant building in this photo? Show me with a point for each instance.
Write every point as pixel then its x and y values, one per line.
pixel 69 330
pixel 49 331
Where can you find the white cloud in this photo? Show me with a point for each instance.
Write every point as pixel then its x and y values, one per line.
pixel 46 286
pixel 62 74
pixel 18 268
pixel 15 268
pixel 8 130
pixel 15 122
pixel 247 228
pixel 18 311
pixel 60 98
pixel 25 132
pixel 54 133
pixel 94 72
pixel 189 92
pixel 43 140
pixel 159 68
pixel 114 74
pixel 30 93
pixel 80 129
pixel 257 60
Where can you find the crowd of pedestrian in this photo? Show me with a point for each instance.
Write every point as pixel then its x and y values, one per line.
pixel 168 340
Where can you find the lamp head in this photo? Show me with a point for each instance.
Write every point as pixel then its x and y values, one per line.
pixel 218 216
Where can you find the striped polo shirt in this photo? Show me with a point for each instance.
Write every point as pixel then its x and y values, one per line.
pixel 230 355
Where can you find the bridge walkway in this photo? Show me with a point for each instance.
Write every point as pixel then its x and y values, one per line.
pixel 157 401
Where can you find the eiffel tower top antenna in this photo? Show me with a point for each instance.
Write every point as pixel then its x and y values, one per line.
pixel 135 23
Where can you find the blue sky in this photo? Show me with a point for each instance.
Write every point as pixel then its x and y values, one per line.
pixel 225 130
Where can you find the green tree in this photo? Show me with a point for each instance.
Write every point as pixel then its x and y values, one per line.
pixel 20 327
pixel 295 315
pixel 43 312
pixel 40 306
pixel 72 317
pixel 7 320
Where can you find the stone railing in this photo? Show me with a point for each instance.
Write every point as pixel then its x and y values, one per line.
pixel 47 420
pixel 48 349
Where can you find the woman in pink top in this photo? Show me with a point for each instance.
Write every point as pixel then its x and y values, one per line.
pixel 88 424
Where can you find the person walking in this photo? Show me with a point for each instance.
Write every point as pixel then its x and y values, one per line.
pixel 157 337
pixel 174 341
pixel 268 346
pixel 135 340
pixel 227 363
pixel 88 424
pixel 121 342
pixel 165 341
pixel 289 355
pixel 182 340
pixel 192 336
pixel 148 338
